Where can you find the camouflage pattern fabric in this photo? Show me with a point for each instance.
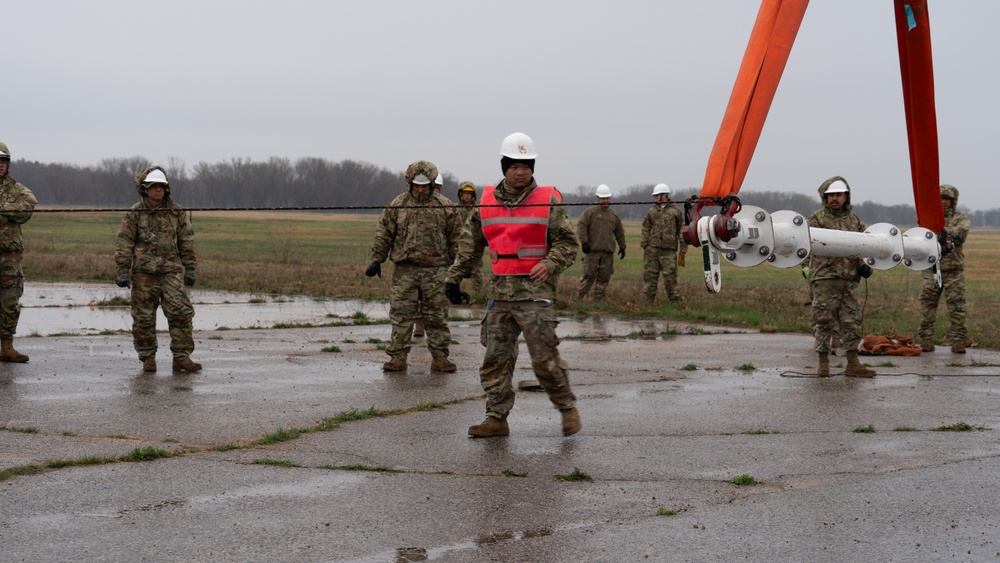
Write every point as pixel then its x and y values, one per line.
pixel 419 233
pixel 597 270
pixel 150 291
pixel 418 293
pixel 661 238
pixel 16 204
pixel 835 311
pixel 156 246
pixel 657 262
pixel 504 323
pixel 563 248
pixel 11 289
pixel 466 211
pixel 602 228
pixel 833 281
pixel 521 305
pixel 956 230
pixel 418 229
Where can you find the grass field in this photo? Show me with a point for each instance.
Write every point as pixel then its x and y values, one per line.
pixel 324 255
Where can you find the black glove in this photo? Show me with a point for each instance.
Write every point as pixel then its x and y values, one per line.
pixel 467 276
pixel 865 271
pixel 189 277
pixel 621 253
pixel 455 294
pixel 374 269
pixel 586 248
pixel 122 281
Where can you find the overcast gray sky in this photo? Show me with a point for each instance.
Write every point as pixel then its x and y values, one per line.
pixel 620 93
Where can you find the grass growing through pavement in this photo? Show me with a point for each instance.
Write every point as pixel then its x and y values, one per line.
pixel 324 255
pixel 743 480
pixel 575 475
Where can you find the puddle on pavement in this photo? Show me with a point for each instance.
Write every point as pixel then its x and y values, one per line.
pixel 60 308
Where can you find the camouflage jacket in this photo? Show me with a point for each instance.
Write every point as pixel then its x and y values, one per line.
pixel 600 227
pixel 835 267
pixel 956 229
pixel 419 233
pixel 562 251
pixel 16 204
pixel 661 228
pixel 155 241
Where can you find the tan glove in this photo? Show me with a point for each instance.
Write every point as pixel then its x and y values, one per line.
pixel 680 258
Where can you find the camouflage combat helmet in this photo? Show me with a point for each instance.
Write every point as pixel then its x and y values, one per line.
pixel 420 172
pixel 950 192
pixel 466 187
pixel 826 184
pixel 140 179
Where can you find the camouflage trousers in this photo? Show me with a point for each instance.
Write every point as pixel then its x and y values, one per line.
pixel 953 288
pixel 418 293
pixel 150 291
pixel 597 270
pixel 11 289
pixel 656 261
pixel 504 323
pixel 835 311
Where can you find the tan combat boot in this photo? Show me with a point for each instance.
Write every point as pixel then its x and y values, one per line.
pixel 571 421
pixel 9 354
pixel 186 365
pixel 927 345
pixel 490 427
pixel 441 363
pixel 149 364
pixel 824 365
pixel 854 366
pixel 957 347
pixel 395 364
pixel 418 329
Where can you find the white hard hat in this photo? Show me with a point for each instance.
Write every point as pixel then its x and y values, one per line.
pixel 421 180
pixel 518 146
pixel 4 155
pixel 661 189
pixel 837 187
pixel 155 177
pixel 439 180
pixel 603 191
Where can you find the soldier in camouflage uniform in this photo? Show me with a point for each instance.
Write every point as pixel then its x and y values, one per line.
pixel 661 235
pixel 154 253
pixel 599 229
pixel 467 206
pixel 418 231
pixel 16 204
pixel 956 229
pixel 833 280
pixel 531 243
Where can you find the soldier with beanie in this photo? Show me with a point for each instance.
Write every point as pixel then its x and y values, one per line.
pixel 531 241
pixel 956 229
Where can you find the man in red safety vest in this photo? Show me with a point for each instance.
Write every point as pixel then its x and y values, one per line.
pixel 531 241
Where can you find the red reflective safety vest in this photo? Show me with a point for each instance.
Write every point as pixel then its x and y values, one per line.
pixel 518 237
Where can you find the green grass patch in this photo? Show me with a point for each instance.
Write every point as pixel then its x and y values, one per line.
pixel 335 349
pixel 746 367
pixel 665 512
pixel 90 460
pixel 959 427
pixel 870 429
pixel 147 453
pixel 575 475
pixel 23 430
pixel 743 480
pixel 688 367
pixel 281 435
pixel 759 432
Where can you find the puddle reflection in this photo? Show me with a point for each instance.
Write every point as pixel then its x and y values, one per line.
pixel 59 308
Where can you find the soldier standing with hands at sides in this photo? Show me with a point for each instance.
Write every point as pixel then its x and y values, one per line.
pixel 661 235
pixel 155 254
pixel 16 204
pixel 599 230
pixel 466 207
pixel 418 231
pixel 531 241
pixel 834 280
pixel 956 229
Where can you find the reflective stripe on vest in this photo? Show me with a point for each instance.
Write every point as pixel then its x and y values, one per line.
pixel 518 237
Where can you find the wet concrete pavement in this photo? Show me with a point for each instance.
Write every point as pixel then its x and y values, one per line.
pixel 669 419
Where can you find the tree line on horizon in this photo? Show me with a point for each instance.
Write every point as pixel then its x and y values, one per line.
pixel 358 186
